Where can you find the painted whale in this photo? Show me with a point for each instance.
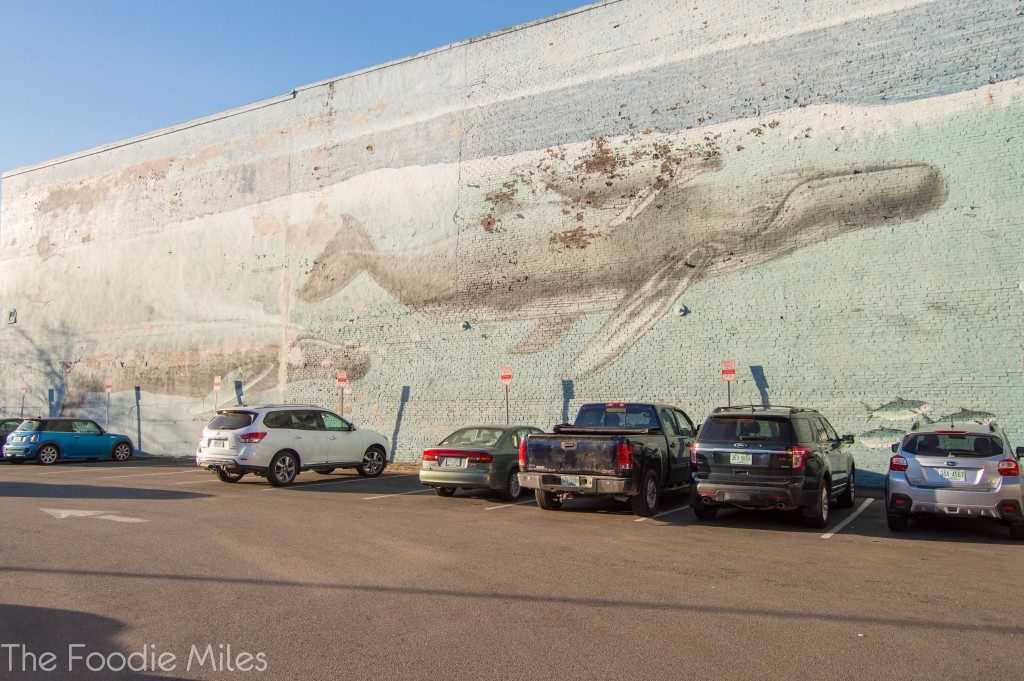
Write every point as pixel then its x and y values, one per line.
pixel 635 264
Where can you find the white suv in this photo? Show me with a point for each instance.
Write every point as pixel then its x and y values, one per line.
pixel 955 470
pixel 279 440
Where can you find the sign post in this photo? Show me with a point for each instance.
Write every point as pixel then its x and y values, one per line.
pixel 342 380
pixel 24 389
pixel 728 375
pixel 108 387
pixel 506 380
pixel 216 390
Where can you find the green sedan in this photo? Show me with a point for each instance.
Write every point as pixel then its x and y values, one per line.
pixel 477 457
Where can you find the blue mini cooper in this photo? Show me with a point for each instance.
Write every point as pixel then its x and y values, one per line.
pixel 47 440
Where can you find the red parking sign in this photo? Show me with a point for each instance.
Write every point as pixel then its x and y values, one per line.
pixel 506 375
pixel 342 377
pixel 728 370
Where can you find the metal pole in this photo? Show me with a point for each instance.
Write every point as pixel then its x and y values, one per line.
pixel 728 393
pixel 23 405
pixel 506 405
pixel 106 424
pixel 138 415
pixel 343 400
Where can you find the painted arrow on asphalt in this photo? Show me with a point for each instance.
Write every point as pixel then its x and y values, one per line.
pixel 60 514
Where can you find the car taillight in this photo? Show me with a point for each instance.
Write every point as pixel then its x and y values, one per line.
pixel 624 456
pixel 898 463
pixel 693 454
pixel 429 455
pixel 799 457
pixel 1009 467
pixel 249 438
pixel 479 457
pixel 522 454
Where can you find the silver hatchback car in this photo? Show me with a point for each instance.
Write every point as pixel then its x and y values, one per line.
pixel 955 470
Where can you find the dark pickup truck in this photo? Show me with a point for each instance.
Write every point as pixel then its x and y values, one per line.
pixel 629 451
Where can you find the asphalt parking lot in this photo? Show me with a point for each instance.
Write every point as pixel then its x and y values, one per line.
pixel 345 577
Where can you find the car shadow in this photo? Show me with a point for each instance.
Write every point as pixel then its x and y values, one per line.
pixel 33 490
pixel 35 631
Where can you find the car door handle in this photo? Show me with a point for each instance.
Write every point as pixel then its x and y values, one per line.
pixel 673 445
pixel 296 437
pixel 334 437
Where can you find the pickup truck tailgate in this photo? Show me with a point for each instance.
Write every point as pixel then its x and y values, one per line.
pixel 582 454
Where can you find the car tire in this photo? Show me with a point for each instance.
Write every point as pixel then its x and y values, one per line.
pixel 445 491
pixel 848 498
pixel 325 471
pixel 374 461
pixel 47 455
pixel 122 451
pixel 897 522
pixel 547 500
pixel 816 515
pixel 1016 530
pixel 224 476
pixel 284 467
pixel 645 504
pixel 512 489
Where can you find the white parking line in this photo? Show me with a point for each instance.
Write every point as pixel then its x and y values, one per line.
pixel 849 519
pixel 518 503
pixel 398 494
pixel 658 515
pixel 319 483
pixel 146 475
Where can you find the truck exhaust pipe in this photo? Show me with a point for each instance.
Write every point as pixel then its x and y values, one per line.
pixel 781 505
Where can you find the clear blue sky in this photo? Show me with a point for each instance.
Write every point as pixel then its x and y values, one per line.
pixel 77 74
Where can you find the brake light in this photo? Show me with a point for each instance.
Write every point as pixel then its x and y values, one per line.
pixel 898 463
pixel 800 455
pixel 522 454
pixel 951 432
pixel 249 438
pixel 1009 467
pixel 693 454
pixel 624 456
pixel 479 457
pixel 429 455
pixel 615 404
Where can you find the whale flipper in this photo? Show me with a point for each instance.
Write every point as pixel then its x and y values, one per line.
pixel 639 313
pixel 548 332
pixel 342 260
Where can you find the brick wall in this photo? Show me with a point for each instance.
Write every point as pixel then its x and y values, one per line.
pixel 610 201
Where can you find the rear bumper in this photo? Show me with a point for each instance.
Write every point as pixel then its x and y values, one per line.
pixel 439 477
pixel 954 504
pixel 227 465
pixel 590 485
pixel 789 495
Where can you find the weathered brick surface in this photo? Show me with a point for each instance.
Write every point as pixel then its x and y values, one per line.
pixel 610 201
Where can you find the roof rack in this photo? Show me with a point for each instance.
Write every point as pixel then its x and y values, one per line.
pixel 762 407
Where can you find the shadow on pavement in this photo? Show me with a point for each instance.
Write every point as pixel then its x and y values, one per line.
pixel 62 491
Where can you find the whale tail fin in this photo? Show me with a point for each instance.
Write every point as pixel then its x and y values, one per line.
pixel 346 256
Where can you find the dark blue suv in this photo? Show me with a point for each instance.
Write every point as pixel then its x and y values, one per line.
pixel 50 439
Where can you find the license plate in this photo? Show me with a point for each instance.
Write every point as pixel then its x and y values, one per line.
pixel 454 462
pixel 953 474
pixel 222 444
pixel 741 459
pixel 572 480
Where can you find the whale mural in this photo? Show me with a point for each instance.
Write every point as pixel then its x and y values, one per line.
pixel 654 231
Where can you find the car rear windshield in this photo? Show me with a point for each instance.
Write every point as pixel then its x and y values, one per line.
pixel 617 416
pixel 776 430
pixel 232 420
pixel 31 425
pixel 959 444
pixel 478 437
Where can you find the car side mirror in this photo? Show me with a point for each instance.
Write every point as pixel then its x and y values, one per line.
pixel 848 439
pixel 351 426
pixel 896 447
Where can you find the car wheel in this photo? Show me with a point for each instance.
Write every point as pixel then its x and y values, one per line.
pixel 848 498
pixel 283 469
pixel 122 451
pixel 897 522
pixel 547 500
pixel 229 477
pixel 445 491
pixel 645 504
pixel 816 515
pixel 373 463
pixel 700 509
pixel 512 490
pixel 48 454
pixel 325 471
